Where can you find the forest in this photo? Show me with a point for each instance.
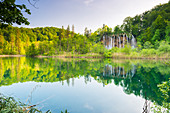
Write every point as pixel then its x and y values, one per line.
pixel 151 29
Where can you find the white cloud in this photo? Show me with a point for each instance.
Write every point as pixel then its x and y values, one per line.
pixel 87 2
pixel 87 106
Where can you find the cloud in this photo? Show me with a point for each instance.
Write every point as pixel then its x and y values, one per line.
pixel 87 106
pixel 87 2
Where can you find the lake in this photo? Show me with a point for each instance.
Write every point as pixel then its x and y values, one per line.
pixel 83 85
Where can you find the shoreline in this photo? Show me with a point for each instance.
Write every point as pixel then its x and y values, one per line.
pixel 1 56
pixel 89 57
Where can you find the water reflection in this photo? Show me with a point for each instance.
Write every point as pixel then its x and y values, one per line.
pixel 118 71
pixel 135 77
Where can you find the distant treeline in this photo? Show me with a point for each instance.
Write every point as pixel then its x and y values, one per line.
pixel 151 29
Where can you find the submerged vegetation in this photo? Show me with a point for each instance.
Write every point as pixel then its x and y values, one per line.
pixel 151 30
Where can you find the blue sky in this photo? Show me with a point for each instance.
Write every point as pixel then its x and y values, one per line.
pixel 85 13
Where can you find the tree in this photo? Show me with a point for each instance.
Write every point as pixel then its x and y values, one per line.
pixel 62 35
pixel 117 30
pixel 12 37
pixel 55 41
pixel 11 13
pixel 160 24
pixel 72 35
pixel 156 36
pixel 127 24
pixel 67 35
pixel 167 31
pixel 148 45
pixel 1 43
pixel 18 42
pixel 32 50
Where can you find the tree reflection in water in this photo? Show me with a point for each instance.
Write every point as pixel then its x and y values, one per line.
pixel 137 77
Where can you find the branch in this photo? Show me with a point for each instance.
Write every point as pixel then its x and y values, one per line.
pixel 33 4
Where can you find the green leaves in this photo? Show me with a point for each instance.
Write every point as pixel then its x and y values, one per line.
pixel 165 90
pixel 10 13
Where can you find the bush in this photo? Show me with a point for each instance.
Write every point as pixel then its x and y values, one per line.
pixel 107 54
pixel 148 45
pixel 126 50
pixel 115 49
pixel 152 51
pixel 165 48
pixel 148 52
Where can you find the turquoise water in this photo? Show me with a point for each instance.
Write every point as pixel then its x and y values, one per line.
pixel 83 85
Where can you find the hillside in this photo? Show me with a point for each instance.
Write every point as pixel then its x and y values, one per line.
pixel 151 29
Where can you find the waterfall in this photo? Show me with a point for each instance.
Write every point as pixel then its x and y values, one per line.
pixel 114 42
pixel 110 45
pixel 119 43
pixel 127 39
pixel 111 42
pixel 133 42
pixel 123 41
pixel 104 40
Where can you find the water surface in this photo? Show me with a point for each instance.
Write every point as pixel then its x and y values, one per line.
pixel 83 85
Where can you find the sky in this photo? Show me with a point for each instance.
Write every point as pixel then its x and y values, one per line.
pixel 84 13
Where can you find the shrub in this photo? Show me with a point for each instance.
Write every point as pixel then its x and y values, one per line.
pixel 144 52
pixel 148 45
pixel 165 48
pixel 152 51
pixel 126 49
pixel 107 54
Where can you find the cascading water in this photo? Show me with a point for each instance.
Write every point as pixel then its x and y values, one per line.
pixel 110 47
pixel 133 42
pixel 123 41
pixel 104 40
pixel 119 43
pixel 113 41
pixel 127 39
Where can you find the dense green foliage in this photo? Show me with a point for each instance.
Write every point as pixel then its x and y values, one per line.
pixel 165 90
pixel 45 41
pixel 141 81
pixel 11 13
pixel 151 29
